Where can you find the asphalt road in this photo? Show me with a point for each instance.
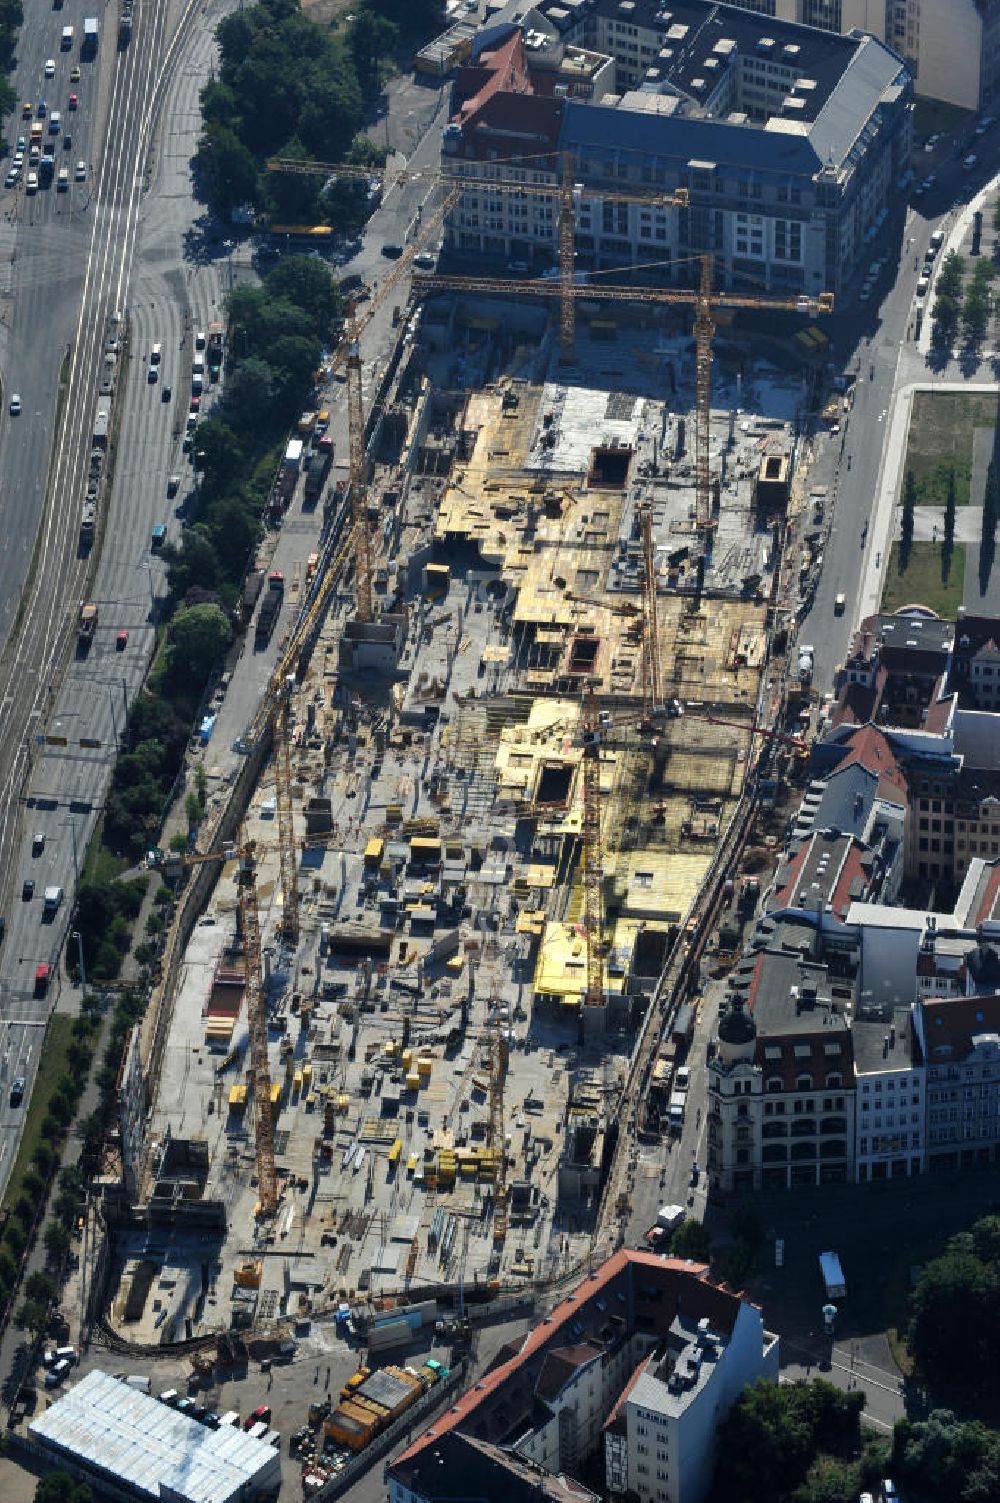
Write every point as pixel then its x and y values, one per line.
pixel 56 785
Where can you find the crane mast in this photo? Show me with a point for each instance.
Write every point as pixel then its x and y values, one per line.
pixel 593 898
pixel 359 485
pixel 286 828
pixel 267 1186
pixel 651 625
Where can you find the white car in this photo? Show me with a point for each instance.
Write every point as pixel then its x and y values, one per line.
pixel 50 67
pixel 15 404
pixel 81 172
pixel 32 182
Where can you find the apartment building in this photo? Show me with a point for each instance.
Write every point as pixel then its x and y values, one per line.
pixel 889 1097
pixel 781 1080
pixel 960 1039
pixel 788 143
pixel 636 1368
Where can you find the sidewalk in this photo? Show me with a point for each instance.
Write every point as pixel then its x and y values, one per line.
pixel 958 229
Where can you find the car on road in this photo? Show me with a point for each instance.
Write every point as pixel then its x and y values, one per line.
pixel 695 1174
pixel 73 101
pixel 166 394
pixel 31 182
pixel 15 401
pixel 840 604
pixel 81 172
pixel 156 354
pixel 74 74
pixel 40 109
pixel 42 974
pixel 158 536
pixel 199 340
pixel 26 110
pixel 38 842
pixel 424 261
pixel 391 250
pixel 12 178
pixel 173 483
pixel 27 890
pixel 62 180
pixel 17 1090
pixel 121 641
pixel 195 402
pixel 153 375
pixel 50 67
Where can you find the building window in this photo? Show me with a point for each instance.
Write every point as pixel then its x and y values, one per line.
pixel 803 1082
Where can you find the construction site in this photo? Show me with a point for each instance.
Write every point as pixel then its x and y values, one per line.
pixel 478 806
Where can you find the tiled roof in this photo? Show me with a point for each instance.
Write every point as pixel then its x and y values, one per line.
pixel 560 1365
pixel 631 1287
pixel 951 1024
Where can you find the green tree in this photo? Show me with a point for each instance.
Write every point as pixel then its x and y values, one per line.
pixel 691 1240
pixel 955 1318
pixel 906 526
pixel 219 456
pixel 306 282
pixel 199 636
pixel 371 38
pixel 249 396
pixel 226 170
pixel 59 1487
pixel 31 1316
pixel 764 1446
pixel 56 1240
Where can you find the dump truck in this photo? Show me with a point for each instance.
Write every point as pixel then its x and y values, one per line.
pixel 214 351
pixel 86 625
pixel 270 607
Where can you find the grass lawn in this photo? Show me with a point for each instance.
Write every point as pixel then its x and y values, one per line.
pixel 940 439
pixel 51 1066
pixel 921 584
pixel 100 864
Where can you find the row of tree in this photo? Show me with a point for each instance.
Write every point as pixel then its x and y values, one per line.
pixel 947 308
pixel 277 332
pixel 288 86
pixel 35 1183
pixel 991 515
pixel 954 1332
pixel 977 302
pixel 11 16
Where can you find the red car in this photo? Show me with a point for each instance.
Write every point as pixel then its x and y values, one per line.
pixel 121 641
pixel 73 101
pixel 195 403
pixel 260 1416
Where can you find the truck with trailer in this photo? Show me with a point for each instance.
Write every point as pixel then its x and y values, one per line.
pixel 270 607
pixel 317 469
pixel 833 1276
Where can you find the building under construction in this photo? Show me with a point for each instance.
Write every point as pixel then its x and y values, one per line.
pixel 390 1051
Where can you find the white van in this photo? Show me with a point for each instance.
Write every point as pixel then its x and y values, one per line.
pixel 155 354
pixel 66 45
